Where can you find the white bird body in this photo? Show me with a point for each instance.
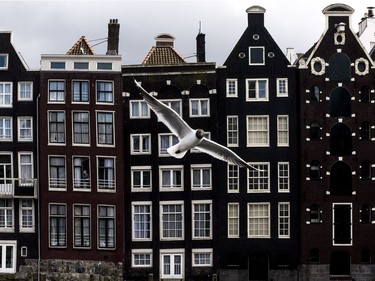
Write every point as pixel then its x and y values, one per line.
pixel 188 137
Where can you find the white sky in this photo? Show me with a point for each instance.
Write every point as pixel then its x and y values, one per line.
pixel 53 26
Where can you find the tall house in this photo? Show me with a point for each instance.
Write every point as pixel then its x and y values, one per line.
pixel 257 98
pixel 337 159
pixel 19 89
pixel 170 204
pixel 81 154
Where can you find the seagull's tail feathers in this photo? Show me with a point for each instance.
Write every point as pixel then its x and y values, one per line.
pixel 176 152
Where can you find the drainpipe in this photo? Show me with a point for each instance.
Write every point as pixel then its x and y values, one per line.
pixel 38 178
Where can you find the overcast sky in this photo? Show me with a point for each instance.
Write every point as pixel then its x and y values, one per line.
pixel 53 26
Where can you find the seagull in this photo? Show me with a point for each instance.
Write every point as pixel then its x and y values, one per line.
pixel 188 137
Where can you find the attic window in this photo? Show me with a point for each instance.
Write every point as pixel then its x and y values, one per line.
pixel 3 61
pixel 81 65
pixel 256 55
pixel 104 65
pixel 57 64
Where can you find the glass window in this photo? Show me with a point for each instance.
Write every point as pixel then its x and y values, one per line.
pixel 57 64
pixel 259 180
pixel 257 131
pixel 315 213
pixel 232 88
pixel 81 128
pixel 81 91
pixel 141 258
pixel 282 87
pixel 6 174
pixel 166 141
pixel 314 94
pixel 256 55
pixel 232 131
pixel 104 92
pixel 57 225
pixel 81 173
pixel 172 266
pixel 171 178
pixel 202 257
pixel 56 126
pixel 201 177
pixel 81 65
pixel 3 61
pixel 256 89
pixel 342 224
pixel 25 172
pixel 284 220
pixel 365 94
pixel 174 104
pixel 56 91
pixel 6 94
pixel 315 170
pixel 139 109
pixel 105 128
pixel 366 170
pixel 6 128
pixel 141 179
pixel 140 144
pixel 283 130
pixel 171 215
pixel 106 173
pixel 27 215
pixel 233 220
pixel 233 178
pixel 106 227
pixel 366 214
pixel 25 91
pixel 6 215
pixel 82 226
pixel 104 66
pixel 365 130
pixel 283 176
pixel 8 257
pixel 258 220
pixel 142 221
pixel 202 220
pixel 57 172
pixel 25 128
pixel 199 107
pixel 315 131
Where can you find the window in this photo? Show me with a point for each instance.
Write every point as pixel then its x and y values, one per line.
pixel 104 65
pixel 81 128
pixel 365 94
pixel 315 131
pixel 340 68
pixel 8 256
pixel 141 258
pixel 6 128
pixel 140 144
pixel 139 109
pixel 233 178
pixel 25 91
pixel 25 128
pixel 232 91
pixel 284 220
pixel 199 107
pixel 25 169
pixel 81 173
pixel 342 224
pixel 201 177
pixel 81 92
pixel 258 220
pixel 57 173
pixel 166 141
pixel 365 130
pixel 257 131
pixel 6 174
pixel 57 225
pixel 171 178
pixel 82 226
pixel 365 170
pixel 366 214
pixel 314 170
pixel 3 61
pixel 233 220
pixel 172 265
pixel 106 227
pixel 256 89
pixel 315 213
pixel 258 180
pixel 56 126
pixel 341 179
pixel 282 87
pixel 6 215
pixel 81 65
pixel 174 104
pixel 202 257
pixel 6 94
pixel 27 214
pixel 171 221
pixel 283 176
pixel 56 91
pixel 314 94
pixel 340 99
pixel 202 220
pixel 232 131
pixel 282 130
pixel 104 92
pixel 23 251
pixel 256 56
pixel 105 130
pixel 142 221
pixel 340 140
pixel 106 173
pixel 57 64
pixel 141 178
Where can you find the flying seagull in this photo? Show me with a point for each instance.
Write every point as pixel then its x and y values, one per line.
pixel 188 137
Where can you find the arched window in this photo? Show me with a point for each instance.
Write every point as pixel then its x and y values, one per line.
pixel 366 214
pixel 341 179
pixel 314 213
pixel 314 255
pixel 365 170
pixel 340 140
pixel 314 94
pixel 315 170
pixel 339 68
pixel 340 102
pixel 365 130
pixel 315 132
pixel 365 94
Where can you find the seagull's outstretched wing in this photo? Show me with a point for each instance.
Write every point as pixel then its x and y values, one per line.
pixel 166 114
pixel 223 153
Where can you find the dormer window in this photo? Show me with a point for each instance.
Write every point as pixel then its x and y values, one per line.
pixel 256 55
pixel 3 61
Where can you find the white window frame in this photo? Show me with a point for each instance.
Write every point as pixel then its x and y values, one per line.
pixel 4 244
pixel 7 187
pixel 6 61
pixel 282 129
pixel 26 181
pixel 254 134
pixel 200 112
pixel 193 219
pixel 9 213
pixel 144 252
pixel 64 216
pixel 333 224
pixel 82 216
pixel 142 187
pixel 233 221
pixel 172 140
pixel 82 124
pixel 231 88
pixel 81 181
pixel 172 186
pixel 262 178
pixel 282 179
pixel 57 132
pixel 142 108
pixel 280 92
pixel 58 98
pixel 169 203
pixel 256 63
pixel 113 133
pixel 149 222
pixel 172 253
pixel 30 212
pixel 106 218
pixel 20 121
pixel 202 251
pixel 201 168
pixel 256 220
pixel 112 95
pixel 257 97
pixel 80 91
pixel 4 96
pixel 171 103
pixel 140 138
pixel 4 121
pixel 110 184
pixel 62 180
pixel 233 177
pixel 232 129
pixel 284 220
pixel 25 88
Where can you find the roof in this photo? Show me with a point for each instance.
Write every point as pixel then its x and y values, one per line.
pixel 163 55
pixel 81 47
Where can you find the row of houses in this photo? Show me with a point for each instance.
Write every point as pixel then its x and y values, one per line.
pixel 85 175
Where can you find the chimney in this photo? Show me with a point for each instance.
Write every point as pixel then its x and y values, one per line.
pixel 370 12
pixel 201 47
pixel 113 37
